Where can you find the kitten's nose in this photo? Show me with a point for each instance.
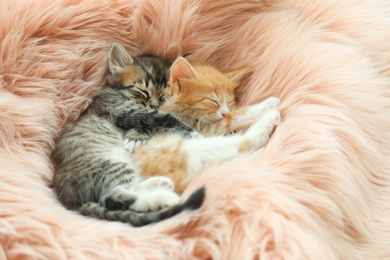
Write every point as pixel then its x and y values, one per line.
pixel 154 103
pixel 226 114
pixel 224 110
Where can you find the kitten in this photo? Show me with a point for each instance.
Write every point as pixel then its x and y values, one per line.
pixel 204 97
pixel 94 172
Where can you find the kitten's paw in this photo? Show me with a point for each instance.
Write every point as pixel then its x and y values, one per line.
pixel 133 145
pixel 154 200
pixel 261 131
pixel 260 109
pixel 271 120
pixel 263 107
pixel 274 117
pixel 271 102
pixel 157 182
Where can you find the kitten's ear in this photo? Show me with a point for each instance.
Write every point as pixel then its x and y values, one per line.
pixel 237 75
pixel 118 58
pixel 182 69
pixel 188 57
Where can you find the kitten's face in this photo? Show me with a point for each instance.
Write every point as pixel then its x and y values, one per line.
pixel 202 92
pixel 142 78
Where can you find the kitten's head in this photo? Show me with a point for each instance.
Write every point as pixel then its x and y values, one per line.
pixel 202 92
pixel 143 78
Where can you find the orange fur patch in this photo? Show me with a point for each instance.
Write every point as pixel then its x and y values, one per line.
pixel 157 159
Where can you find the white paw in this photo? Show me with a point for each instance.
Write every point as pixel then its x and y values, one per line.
pixel 133 145
pixel 154 200
pixel 273 117
pixel 261 108
pixel 261 130
pixel 157 182
pixel 271 120
pixel 271 102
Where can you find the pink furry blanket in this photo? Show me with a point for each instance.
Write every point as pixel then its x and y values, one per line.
pixel 319 190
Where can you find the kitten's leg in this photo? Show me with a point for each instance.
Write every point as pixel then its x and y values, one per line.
pixel 258 109
pixel 260 132
pixel 204 150
pixel 141 197
pixel 154 199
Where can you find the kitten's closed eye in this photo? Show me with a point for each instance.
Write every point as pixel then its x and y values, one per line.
pixel 212 101
pixel 145 93
pixel 161 98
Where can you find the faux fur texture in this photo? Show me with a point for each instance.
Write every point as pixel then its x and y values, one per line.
pixel 319 190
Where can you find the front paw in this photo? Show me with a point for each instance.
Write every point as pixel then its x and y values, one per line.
pixel 260 132
pixel 263 107
pixel 271 103
pixel 133 145
pixel 272 117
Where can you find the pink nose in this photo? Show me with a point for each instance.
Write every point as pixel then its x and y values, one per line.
pixel 227 114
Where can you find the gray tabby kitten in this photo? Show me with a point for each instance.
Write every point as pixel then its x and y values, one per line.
pixel 94 172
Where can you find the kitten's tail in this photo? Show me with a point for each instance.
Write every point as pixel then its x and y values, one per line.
pixel 141 219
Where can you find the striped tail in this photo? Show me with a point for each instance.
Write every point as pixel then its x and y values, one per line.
pixel 138 219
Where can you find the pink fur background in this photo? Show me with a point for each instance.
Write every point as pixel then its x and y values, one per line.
pixel 319 190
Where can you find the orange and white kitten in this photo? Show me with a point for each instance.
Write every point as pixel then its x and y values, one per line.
pixel 203 97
